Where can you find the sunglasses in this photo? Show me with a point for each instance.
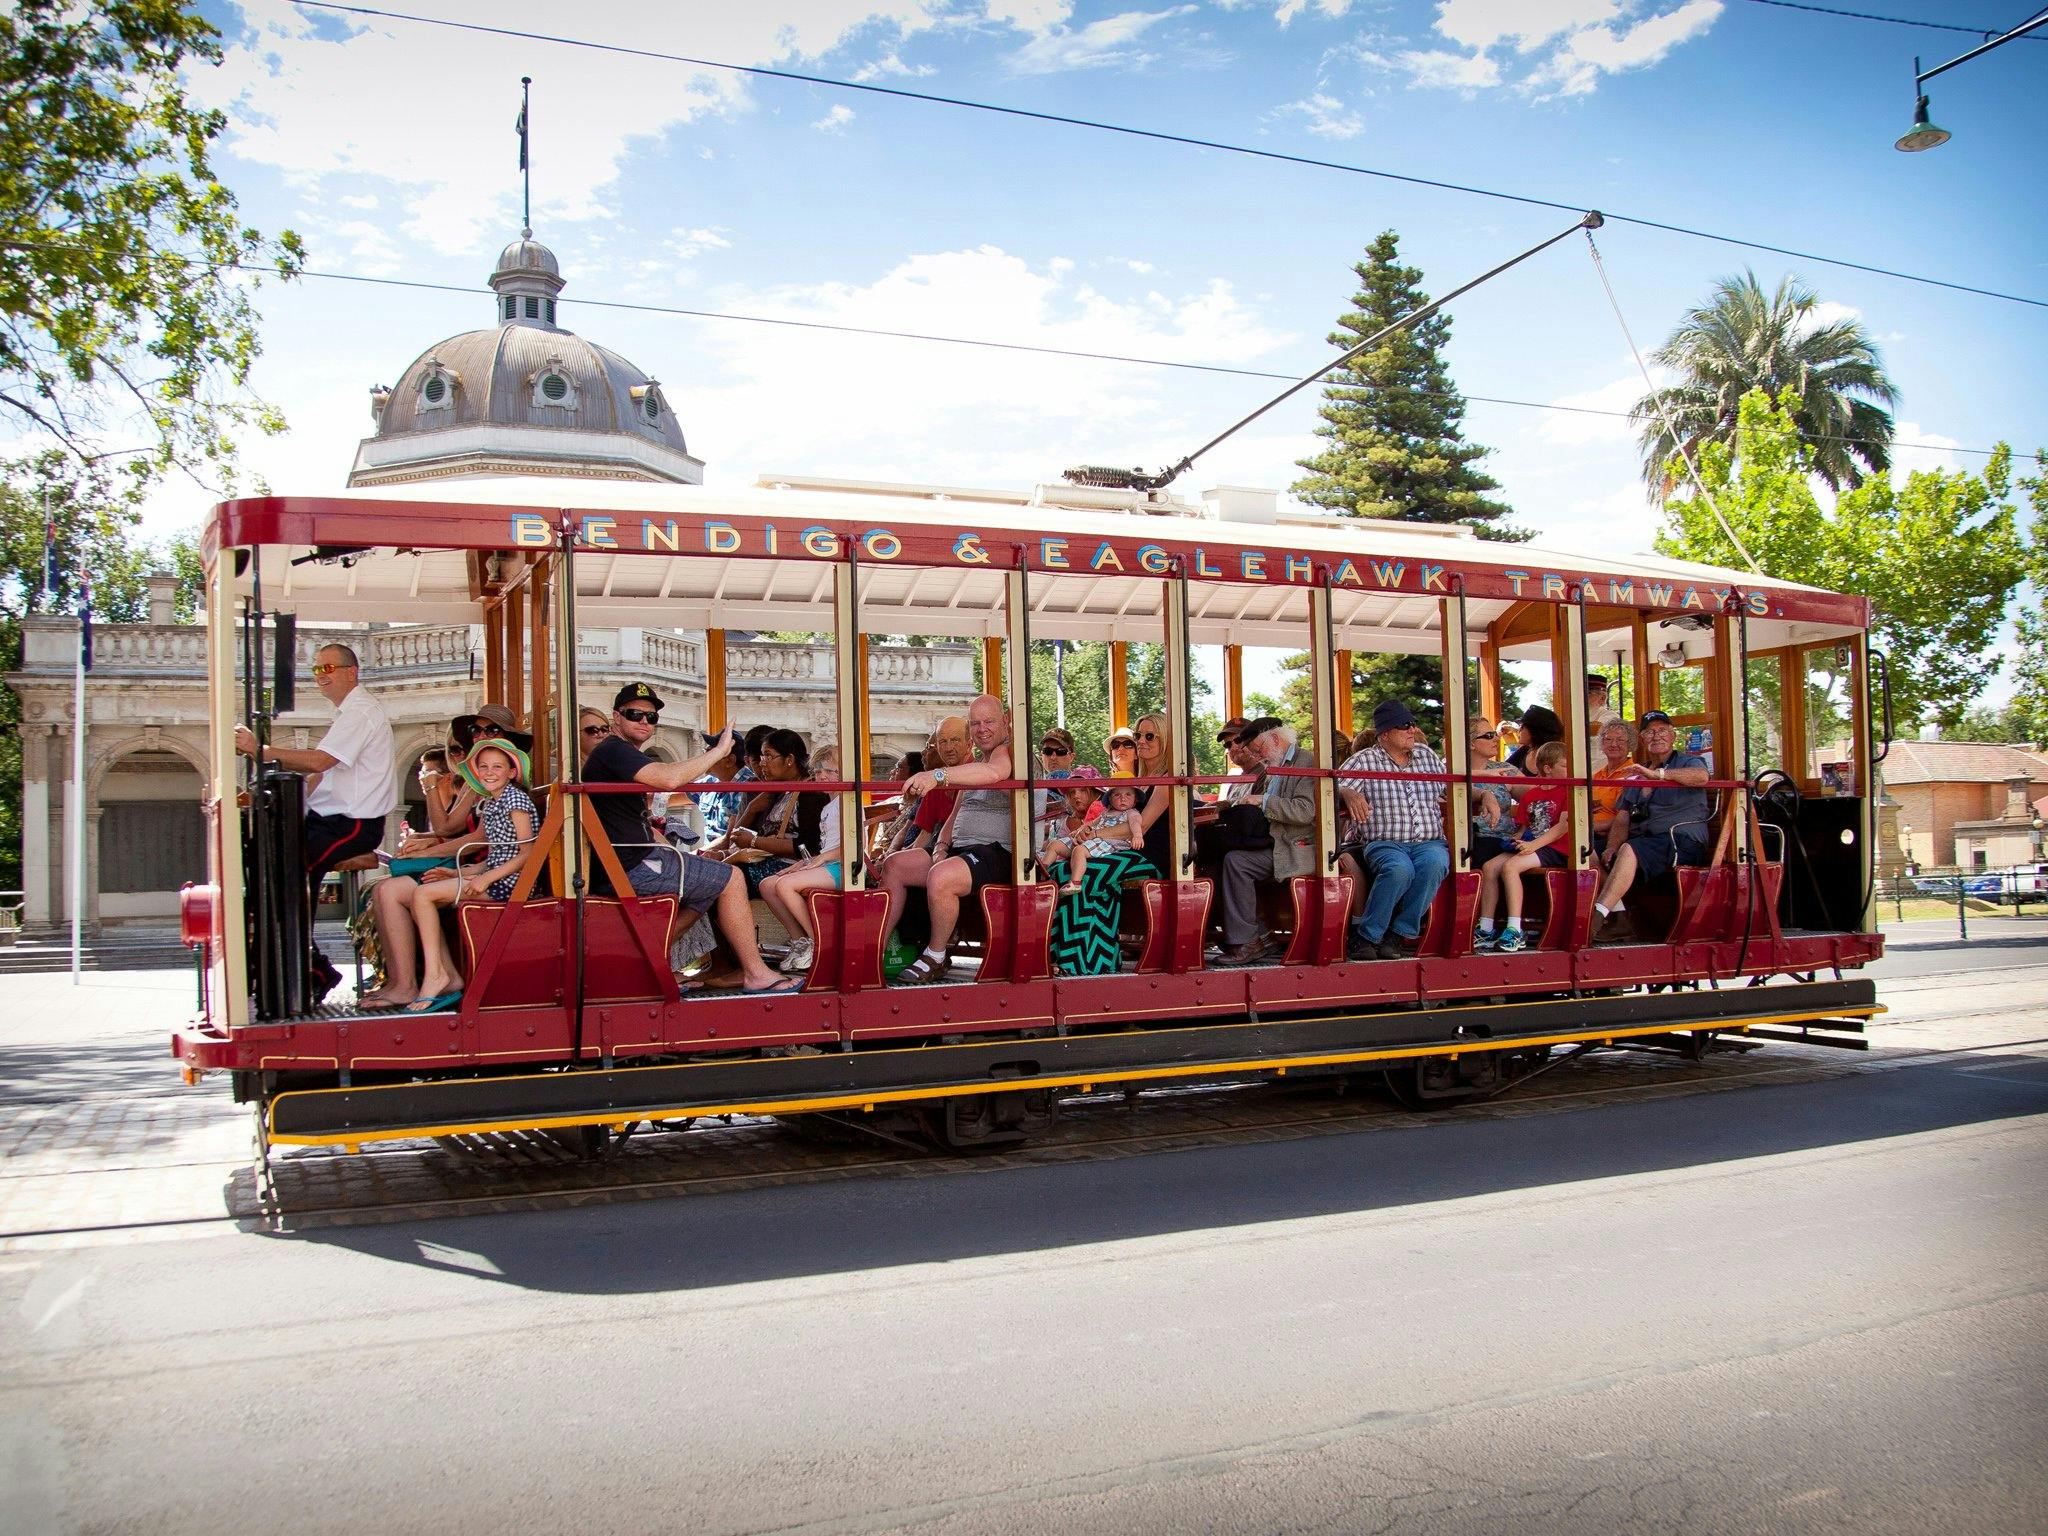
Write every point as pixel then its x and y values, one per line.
pixel 595 730
pixel 1054 749
pixel 1148 735
pixel 640 716
pixel 322 668
pixel 1123 744
pixel 1487 736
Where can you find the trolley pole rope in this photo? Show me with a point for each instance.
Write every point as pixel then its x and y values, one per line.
pixel 1173 472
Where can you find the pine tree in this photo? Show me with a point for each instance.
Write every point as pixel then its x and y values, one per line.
pixel 1397 449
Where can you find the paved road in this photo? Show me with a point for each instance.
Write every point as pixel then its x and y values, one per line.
pixel 1815 1305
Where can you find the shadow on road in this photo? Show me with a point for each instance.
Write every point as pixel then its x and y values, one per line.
pixel 870 1223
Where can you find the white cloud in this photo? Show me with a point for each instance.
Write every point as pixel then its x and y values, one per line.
pixel 1555 47
pixel 688 244
pixel 364 201
pixel 1582 418
pixel 835 121
pixel 1327 116
pixel 1029 15
pixel 913 410
pixel 1935 456
pixel 1111 41
pixel 890 65
pixel 439 132
pixel 1287 10
pixel 1139 267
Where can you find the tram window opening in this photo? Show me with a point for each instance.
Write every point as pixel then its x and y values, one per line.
pixel 1827 678
pixel 1766 716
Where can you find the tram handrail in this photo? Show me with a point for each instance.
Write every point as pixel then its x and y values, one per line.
pixel 1143 781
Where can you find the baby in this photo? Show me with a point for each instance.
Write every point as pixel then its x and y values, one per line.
pixel 1078 835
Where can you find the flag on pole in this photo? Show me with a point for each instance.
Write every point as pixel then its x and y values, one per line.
pixel 84 621
pixel 49 548
pixel 519 127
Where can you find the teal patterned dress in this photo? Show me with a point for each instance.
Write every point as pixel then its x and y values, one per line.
pixel 1085 922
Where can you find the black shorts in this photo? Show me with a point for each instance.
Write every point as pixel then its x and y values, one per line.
pixel 1655 854
pixel 331 840
pixel 988 864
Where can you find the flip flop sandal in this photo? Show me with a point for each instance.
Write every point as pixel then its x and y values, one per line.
pixel 923 969
pixel 781 984
pixel 441 1004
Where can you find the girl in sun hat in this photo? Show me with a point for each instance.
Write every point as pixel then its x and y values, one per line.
pixel 497 771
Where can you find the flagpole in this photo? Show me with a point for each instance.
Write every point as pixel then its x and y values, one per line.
pixel 77 818
pixel 525 169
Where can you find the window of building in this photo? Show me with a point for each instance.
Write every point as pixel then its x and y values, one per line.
pixel 554 387
pixel 511 308
pixel 532 307
pixel 551 311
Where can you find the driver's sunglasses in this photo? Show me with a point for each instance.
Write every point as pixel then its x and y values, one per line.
pixel 322 668
pixel 640 716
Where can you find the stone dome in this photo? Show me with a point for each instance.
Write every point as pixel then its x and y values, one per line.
pixel 524 397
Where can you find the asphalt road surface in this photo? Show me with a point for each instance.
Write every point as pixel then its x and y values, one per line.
pixel 1808 1304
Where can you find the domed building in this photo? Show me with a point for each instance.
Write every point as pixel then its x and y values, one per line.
pixel 524 397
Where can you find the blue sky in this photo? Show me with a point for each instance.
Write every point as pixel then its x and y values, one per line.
pixel 389 145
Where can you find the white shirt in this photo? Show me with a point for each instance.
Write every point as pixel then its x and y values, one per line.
pixel 363 783
pixel 1236 789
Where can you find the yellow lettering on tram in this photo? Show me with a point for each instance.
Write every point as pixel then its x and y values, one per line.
pixel 1658 594
pixel 721 538
pixel 1346 574
pixel 1105 559
pixel 1620 591
pixel 773 546
pixel 1300 568
pixel 1202 565
pixel 880 544
pixel 1759 604
pixel 1152 559
pixel 530 531
pixel 1692 598
pixel 665 536
pixel 1052 554
pixel 1251 564
pixel 1515 580
pixel 1433 579
pixel 968 551
pixel 1553 587
pixel 1388 573
pixel 597 532
pixel 820 541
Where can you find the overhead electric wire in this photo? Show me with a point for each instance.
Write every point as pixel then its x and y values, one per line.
pixel 936 338
pixel 930 98
pixel 1897 21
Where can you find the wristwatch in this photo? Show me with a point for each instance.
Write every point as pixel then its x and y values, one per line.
pixel 939 777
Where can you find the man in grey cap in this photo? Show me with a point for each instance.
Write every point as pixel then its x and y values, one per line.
pixel 1405 854
pixel 1288 803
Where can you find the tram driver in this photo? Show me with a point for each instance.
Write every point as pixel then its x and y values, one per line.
pixel 657 868
pixel 975 847
pixel 355 781
pixel 1661 821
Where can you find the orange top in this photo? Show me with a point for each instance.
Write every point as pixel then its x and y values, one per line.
pixel 1605 800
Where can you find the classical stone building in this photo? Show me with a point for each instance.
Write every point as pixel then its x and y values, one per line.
pixel 521 397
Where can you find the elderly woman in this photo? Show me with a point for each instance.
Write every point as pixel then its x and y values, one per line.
pixel 1618 747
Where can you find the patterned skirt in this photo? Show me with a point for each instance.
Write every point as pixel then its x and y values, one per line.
pixel 1084 924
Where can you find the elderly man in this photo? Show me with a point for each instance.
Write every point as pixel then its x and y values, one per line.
pixel 1405 855
pixel 1288 802
pixel 653 867
pixel 976 846
pixel 1661 820
pixel 1598 711
pixel 908 852
pixel 356 783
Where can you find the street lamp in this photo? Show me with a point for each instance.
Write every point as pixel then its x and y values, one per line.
pixel 1927 135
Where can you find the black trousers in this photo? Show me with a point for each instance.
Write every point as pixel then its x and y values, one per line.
pixel 331 840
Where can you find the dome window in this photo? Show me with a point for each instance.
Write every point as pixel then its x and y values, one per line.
pixel 532 307
pixel 551 311
pixel 648 402
pixel 553 388
pixel 437 386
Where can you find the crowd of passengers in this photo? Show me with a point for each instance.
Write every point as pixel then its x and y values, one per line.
pixel 951 831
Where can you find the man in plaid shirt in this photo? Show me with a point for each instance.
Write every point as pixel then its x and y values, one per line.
pixel 1405 854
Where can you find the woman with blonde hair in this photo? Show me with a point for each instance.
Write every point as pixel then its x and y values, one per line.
pixel 1155 761
pixel 788 891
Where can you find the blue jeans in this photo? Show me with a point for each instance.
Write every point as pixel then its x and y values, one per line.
pixel 1405 877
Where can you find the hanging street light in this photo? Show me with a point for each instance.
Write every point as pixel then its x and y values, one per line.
pixel 1928 135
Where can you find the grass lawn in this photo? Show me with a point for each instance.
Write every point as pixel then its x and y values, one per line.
pixel 1923 907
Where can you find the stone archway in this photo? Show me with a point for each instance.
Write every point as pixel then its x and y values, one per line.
pixel 146 827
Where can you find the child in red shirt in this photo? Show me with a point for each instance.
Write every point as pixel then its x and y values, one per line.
pixel 1544 816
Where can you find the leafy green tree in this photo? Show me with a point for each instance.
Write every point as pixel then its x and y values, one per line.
pixel 2028 711
pixel 1743 339
pixel 1086 670
pixel 1394 422
pixel 1938 556
pixel 125 295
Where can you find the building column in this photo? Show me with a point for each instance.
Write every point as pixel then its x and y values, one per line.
pixel 91 921
pixel 35 825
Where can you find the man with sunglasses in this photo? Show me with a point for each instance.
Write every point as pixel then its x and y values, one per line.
pixel 654 867
pixel 352 780
pixel 1661 820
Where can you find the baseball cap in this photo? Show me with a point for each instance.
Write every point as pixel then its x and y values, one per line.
pixel 636 693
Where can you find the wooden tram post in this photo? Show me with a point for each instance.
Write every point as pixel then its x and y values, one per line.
pixel 1346 698
pixel 558 642
pixel 863 760
pixel 1646 672
pixel 542 687
pixel 1570 657
pixel 1489 682
pixel 513 608
pixel 1233 683
pixel 1178 657
pixel 992 668
pixel 1456 754
pixel 1323 710
pixel 223 638
pixel 1726 691
pixel 851 697
pixel 717 707
pixel 1863 770
pixel 1120 685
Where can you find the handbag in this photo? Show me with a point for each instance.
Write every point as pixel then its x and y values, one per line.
pixel 418 866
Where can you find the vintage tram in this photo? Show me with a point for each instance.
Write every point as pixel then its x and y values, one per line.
pixel 571 1017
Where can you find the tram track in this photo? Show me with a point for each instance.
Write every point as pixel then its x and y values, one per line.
pixel 534 1178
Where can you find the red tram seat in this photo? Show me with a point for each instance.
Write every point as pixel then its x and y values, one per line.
pixel 527 971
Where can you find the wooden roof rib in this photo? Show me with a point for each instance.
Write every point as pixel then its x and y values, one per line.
pixel 915 582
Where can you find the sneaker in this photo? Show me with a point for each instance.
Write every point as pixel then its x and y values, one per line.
pixel 1485 943
pixel 801 954
pixel 1390 948
pixel 1511 941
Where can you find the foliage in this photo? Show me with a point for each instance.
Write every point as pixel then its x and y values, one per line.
pixel 125 298
pixel 1086 670
pixel 1394 420
pixel 2028 711
pixel 1740 340
pixel 1938 557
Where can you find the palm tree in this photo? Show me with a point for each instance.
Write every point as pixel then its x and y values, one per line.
pixel 1743 339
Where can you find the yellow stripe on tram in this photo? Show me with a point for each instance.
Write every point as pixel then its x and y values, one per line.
pixel 868 1100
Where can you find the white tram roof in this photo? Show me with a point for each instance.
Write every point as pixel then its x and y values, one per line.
pixel 933 561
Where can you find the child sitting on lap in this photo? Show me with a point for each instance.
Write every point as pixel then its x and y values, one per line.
pixel 1079 835
pixel 1543 816
pixel 497 771
pixel 787 892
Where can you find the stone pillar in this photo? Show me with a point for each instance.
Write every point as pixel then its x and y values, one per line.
pixel 163 596
pixel 91 920
pixel 35 825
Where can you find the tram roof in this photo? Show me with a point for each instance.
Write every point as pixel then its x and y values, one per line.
pixel 934 561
